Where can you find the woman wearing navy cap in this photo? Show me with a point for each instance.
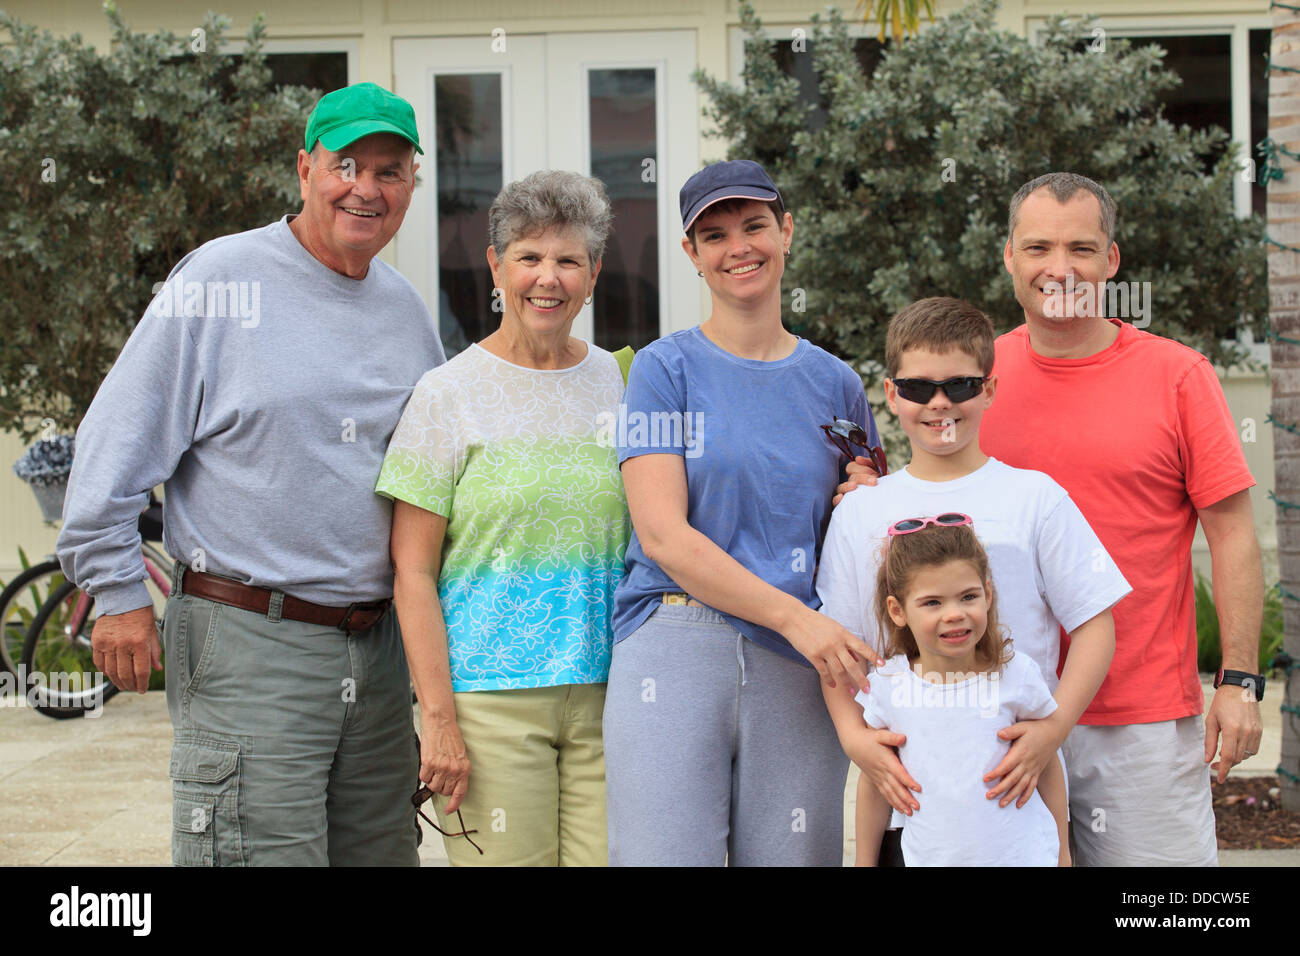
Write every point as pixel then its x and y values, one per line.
pixel 718 744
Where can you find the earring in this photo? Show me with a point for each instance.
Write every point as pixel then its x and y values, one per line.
pixel 699 273
pixel 787 253
pixel 587 301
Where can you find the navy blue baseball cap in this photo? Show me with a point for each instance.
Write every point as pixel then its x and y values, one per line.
pixel 733 179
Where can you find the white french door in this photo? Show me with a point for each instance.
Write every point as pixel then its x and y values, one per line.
pixel 617 106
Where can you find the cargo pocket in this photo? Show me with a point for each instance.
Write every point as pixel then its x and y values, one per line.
pixel 207 822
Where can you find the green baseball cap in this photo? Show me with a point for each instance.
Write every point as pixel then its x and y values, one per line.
pixel 346 115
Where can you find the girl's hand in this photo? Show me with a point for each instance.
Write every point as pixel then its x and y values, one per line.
pixel 872 751
pixel 444 765
pixel 1036 742
pixel 836 653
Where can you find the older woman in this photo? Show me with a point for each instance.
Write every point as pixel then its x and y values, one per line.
pixel 509 528
pixel 717 739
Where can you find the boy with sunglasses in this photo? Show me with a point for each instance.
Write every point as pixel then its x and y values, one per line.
pixel 1050 571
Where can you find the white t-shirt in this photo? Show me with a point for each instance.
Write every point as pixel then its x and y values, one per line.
pixel 1048 566
pixel 951 743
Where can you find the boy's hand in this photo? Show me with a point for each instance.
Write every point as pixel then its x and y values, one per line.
pixel 872 751
pixel 1036 742
pixel 860 472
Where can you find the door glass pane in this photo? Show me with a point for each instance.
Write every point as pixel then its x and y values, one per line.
pixel 467 115
pixel 626 305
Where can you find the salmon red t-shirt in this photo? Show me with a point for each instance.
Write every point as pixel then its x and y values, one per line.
pixel 1140 435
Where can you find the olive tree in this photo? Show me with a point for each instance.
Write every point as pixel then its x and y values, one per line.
pixel 113 165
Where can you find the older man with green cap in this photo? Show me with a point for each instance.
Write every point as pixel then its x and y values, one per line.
pixel 261 388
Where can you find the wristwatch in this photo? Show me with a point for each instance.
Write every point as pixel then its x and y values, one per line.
pixel 1254 681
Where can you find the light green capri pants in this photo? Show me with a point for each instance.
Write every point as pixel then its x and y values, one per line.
pixel 536 778
pixel 294 744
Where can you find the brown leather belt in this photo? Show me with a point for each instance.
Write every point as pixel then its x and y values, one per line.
pixel 353 618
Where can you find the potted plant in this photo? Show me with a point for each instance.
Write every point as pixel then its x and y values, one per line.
pixel 45 467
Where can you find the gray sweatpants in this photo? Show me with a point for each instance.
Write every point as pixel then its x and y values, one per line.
pixel 293 743
pixel 718 750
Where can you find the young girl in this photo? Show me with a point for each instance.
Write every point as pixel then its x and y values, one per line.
pixel 951 681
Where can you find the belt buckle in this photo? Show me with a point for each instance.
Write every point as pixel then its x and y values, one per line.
pixel 364 606
pixel 347 616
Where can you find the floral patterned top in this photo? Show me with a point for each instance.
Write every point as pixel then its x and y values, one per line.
pixel 522 464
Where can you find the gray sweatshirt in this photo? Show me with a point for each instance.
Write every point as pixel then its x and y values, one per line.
pixel 261 388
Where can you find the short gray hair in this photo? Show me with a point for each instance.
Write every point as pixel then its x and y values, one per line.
pixel 1064 187
pixel 551 198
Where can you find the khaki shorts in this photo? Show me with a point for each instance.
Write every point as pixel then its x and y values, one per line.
pixel 1140 795
pixel 536 778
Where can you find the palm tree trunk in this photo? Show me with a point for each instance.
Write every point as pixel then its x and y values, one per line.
pixel 1284 314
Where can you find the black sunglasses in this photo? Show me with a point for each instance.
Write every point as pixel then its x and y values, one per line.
pixel 921 390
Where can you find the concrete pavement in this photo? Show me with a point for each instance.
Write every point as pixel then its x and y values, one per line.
pixel 94 791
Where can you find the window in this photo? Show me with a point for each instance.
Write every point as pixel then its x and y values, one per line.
pixel 321 71
pixel 1204 64
pixel 799 65
pixel 1260 40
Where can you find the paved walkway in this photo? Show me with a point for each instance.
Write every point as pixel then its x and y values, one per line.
pixel 94 792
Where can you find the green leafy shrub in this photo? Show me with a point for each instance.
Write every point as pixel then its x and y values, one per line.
pixel 903 192
pixel 114 166
pixel 1209 651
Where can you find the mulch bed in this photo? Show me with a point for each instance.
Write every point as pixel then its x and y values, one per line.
pixel 1246 817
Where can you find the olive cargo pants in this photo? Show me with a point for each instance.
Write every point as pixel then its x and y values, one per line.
pixel 294 743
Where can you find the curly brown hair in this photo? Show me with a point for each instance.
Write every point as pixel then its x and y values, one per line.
pixel 905 554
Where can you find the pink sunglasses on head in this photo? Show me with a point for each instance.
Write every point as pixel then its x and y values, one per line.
pixel 950 519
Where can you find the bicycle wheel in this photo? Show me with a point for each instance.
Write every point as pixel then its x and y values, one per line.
pixel 62 680
pixel 20 602
pixel 58 658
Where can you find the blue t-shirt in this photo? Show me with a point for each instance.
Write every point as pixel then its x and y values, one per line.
pixel 760 473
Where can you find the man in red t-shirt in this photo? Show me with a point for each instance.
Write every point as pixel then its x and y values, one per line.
pixel 1136 428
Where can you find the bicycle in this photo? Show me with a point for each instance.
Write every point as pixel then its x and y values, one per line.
pixel 20 602
pixel 57 657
